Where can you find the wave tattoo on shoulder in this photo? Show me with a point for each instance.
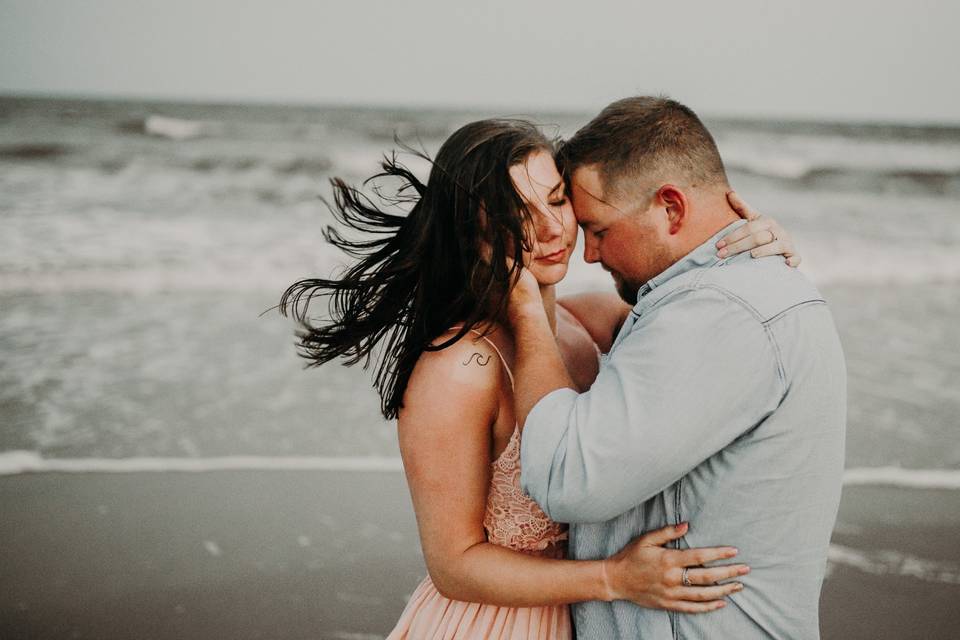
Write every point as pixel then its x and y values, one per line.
pixel 480 359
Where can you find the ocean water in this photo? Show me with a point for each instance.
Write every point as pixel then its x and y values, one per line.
pixel 141 243
pixel 144 245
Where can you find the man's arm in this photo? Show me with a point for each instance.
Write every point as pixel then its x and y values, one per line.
pixel 694 374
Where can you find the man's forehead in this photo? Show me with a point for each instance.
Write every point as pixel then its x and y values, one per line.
pixel 588 180
pixel 586 191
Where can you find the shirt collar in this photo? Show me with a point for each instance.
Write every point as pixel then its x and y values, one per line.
pixel 703 256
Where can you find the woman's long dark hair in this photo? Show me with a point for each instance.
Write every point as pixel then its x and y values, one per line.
pixel 443 263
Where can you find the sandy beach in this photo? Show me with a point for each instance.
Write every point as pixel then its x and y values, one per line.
pixel 266 554
pixel 333 554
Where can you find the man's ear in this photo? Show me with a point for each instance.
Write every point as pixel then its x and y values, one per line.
pixel 674 202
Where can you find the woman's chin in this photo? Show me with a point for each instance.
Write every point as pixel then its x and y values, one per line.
pixel 547 275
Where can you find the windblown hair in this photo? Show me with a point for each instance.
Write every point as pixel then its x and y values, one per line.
pixel 635 140
pixel 443 263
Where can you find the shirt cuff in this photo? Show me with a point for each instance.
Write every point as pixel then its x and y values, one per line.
pixel 543 433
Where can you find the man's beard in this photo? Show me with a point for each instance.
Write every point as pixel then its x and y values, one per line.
pixel 627 290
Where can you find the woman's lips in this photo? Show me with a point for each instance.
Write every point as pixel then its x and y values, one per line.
pixel 556 256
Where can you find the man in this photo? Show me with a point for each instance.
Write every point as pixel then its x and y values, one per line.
pixel 722 402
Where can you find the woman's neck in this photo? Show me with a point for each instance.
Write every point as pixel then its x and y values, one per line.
pixel 549 294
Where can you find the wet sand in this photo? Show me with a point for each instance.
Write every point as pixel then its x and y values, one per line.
pixel 321 554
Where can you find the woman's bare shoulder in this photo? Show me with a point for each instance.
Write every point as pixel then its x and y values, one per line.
pixel 450 405
pixel 465 371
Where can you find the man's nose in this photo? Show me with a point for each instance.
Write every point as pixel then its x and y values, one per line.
pixel 590 253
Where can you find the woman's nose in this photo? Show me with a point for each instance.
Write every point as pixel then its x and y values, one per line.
pixel 548 227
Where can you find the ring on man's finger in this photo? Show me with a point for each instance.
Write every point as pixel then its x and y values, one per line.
pixel 685 577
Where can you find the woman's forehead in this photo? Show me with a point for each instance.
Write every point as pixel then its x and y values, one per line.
pixel 537 176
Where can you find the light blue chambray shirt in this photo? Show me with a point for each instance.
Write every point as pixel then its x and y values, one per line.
pixel 722 403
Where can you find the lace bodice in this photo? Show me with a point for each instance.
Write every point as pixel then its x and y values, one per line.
pixel 512 519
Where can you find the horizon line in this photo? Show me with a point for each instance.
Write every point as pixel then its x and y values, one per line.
pixel 227 101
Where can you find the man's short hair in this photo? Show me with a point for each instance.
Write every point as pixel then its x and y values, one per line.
pixel 635 141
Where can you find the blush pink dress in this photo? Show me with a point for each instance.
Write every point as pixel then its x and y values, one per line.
pixel 511 520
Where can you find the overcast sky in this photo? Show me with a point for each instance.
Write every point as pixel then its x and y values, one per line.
pixel 894 60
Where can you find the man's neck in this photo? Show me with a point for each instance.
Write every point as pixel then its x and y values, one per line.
pixel 709 219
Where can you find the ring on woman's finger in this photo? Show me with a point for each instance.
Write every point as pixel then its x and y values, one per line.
pixel 773 236
pixel 685 577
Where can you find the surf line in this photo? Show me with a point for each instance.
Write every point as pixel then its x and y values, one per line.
pixel 17 462
pixel 20 461
pixel 904 478
pixel 887 562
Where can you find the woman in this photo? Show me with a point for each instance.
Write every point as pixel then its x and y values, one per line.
pixel 431 288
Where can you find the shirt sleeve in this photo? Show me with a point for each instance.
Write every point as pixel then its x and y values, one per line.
pixel 695 373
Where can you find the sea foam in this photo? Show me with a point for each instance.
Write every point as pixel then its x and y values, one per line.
pixel 888 562
pixel 15 462
pixel 21 461
pixel 796 157
pixel 903 478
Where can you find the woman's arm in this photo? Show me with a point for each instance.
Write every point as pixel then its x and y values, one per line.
pixel 451 401
pixel 761 236
pixel 601 314
pixel 453 398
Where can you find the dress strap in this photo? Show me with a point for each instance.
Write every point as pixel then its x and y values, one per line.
pixel 503 360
